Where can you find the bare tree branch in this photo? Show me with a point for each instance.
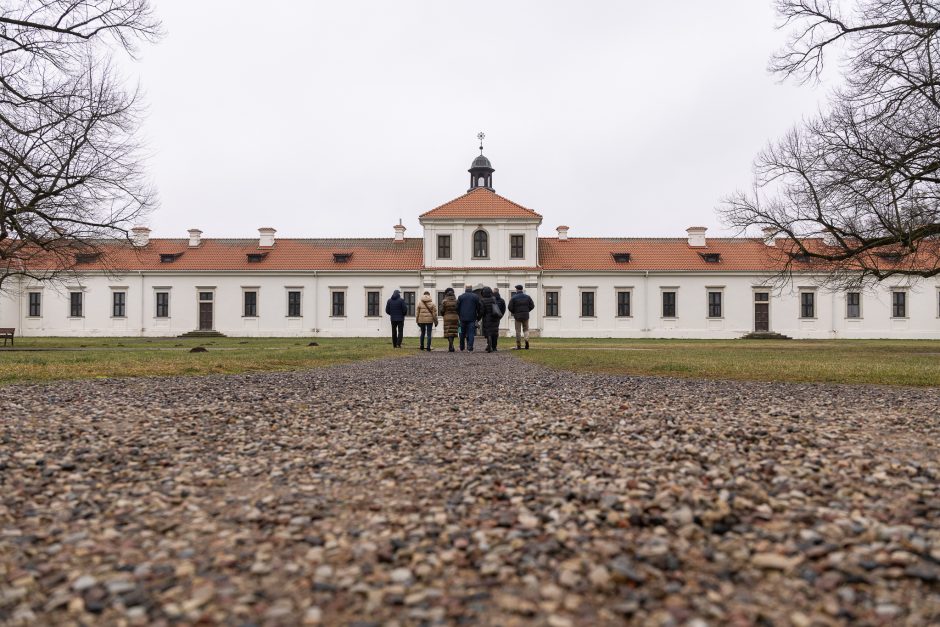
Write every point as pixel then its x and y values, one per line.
pixel 855 192
pixel 70 165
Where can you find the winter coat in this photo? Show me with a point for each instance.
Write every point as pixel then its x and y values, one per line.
pixel 500 302
pixel 396 307
pixel 450 316
pixel 426 311
pixel 520 304
pixel 469 307
pixel 490 318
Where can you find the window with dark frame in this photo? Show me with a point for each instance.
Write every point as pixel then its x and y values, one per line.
pixel 587 304
pixel 339 304
pixel 440 300
pixel 443 246
pixel 35 304
pixel 551 304
pixel 410 301
pixel 251 304
pixel 899 304
pixel 481 244
pixel 714 304
pixel 118 304
pixel 75 304
pixel 853 305
pixel 163 305
pixel 807 304
pixel 669 304
pixel 372 304
pixel 516 246
pixel 623 304
pixel 761 297
pixel 293 304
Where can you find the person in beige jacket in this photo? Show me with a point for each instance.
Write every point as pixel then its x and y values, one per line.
pixel 426 316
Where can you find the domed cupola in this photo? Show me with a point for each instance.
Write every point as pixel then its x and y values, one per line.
pixel 481 170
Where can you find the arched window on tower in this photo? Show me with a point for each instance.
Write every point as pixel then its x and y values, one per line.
pixel 481 244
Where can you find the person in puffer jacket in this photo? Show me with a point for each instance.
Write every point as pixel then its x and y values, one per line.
pixel 492 314
pixel 426 317
pixel 397 310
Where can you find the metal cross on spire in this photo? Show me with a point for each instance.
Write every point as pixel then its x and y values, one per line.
pixel 481 136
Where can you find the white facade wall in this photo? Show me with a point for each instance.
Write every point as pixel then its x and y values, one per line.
pixel 499 233
pixel 646 319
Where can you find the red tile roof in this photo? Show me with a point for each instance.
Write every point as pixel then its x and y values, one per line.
pixel 589 253
pixel 286 254
pixel 481 203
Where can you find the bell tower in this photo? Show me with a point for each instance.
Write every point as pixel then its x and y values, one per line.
pixel 481 170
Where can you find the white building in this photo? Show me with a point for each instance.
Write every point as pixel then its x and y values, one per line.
pixel 693 287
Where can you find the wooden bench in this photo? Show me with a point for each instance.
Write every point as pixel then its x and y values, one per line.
pixel 7 334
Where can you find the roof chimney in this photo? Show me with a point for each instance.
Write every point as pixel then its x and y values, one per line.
pixel 195 237
pixel 562 233
pixel 141 236
pixel 697 236
pixel 770 235
pixel 266 237
pixel 400 232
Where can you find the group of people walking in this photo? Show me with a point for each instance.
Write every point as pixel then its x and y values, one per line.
pixel 461 315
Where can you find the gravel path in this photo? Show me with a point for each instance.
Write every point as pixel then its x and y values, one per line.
pixel 467 489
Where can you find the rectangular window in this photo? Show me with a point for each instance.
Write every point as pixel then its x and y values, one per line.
pixel 807 304
pixel 587 304
pixel 551 304
pixel 410 301
pixel 440 300
pixel 899 304
pixel 853 305
pixel 516 246
pixel 443 246
pixel 251 304
pixel 623 304
pixel 669 304
pixel 35 304
pixel 372 304
pixel 75 304
pixel 714 304
pixel 163 304
pixel 293 304
pixel 339 303
pixel 118 304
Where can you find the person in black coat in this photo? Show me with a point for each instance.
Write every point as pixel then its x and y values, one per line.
pixel 520 305
pixel 502 307
pixel 397 310
pixel 470 309
pixel 492 314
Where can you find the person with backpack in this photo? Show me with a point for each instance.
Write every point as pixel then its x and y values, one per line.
pixel 469 310
pixel 426 317
pixel 492 314
pixel 397 310
pixel 451 317
pixel 502 308
pixel 520 305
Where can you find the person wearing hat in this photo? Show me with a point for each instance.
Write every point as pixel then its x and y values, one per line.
pixel 520 305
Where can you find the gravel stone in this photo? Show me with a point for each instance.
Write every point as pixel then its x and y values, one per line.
pixel 467 489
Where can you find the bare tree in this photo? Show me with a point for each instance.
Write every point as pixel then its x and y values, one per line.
pixel 855 192
pixel 70 165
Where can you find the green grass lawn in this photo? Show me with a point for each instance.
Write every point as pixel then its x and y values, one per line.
pixel 131 357
pixel 886 362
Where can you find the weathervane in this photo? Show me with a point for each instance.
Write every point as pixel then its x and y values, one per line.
pixel 481 136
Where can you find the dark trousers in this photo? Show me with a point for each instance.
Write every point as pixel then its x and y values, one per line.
pixel 494 340
pixel 427 328
pixel 398 329
pixel 468 331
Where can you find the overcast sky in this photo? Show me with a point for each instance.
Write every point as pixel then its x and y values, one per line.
pixel 335 119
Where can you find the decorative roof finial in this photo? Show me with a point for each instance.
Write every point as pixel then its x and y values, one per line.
pixel 481 136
